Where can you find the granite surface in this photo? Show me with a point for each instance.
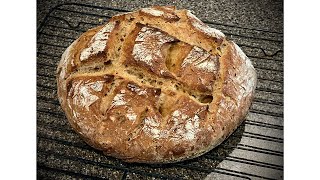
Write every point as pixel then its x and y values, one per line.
pixel 259 14
pixel 254 151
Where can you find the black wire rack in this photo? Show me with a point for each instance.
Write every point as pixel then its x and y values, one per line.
pixel 253 151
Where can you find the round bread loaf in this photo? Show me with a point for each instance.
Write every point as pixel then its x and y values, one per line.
pixel 155 86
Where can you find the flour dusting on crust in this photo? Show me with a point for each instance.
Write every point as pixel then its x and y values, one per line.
pixel 136 89
pixel 194 55
pixel 63 63
pixel 98 42
pixel 247 81
pixel 176 113
pixel 152 11
pixel 75 114
pixel 192 127
pixel 118 100
pixel 97 86
pixel 131 115
pixel 107 106
pixel 122 14
pixel 82 94
pixel 184 127
pixel 151 127
pixel 148 45
pixel 168 8
pixel 203 27
pixel 159 13
pixel 208 66
pixel 62 67
pixel 243 56
pixel 201 59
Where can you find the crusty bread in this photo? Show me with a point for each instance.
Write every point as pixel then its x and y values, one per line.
pixel 155 86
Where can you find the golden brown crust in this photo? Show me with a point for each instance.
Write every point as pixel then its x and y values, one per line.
pixel 155 86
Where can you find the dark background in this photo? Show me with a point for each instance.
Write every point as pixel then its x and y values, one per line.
pixel 254 151
pixel 260 14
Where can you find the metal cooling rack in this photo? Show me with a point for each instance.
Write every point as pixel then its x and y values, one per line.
pixel 253 151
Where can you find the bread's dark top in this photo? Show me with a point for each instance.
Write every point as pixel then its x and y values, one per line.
pixel 156 85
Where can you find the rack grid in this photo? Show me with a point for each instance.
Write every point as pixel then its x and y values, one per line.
pixel 253 151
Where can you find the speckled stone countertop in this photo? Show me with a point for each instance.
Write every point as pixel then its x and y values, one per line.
pixel 260 14
pixel 254 151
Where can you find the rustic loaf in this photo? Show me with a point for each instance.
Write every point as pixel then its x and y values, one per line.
pixel 155 86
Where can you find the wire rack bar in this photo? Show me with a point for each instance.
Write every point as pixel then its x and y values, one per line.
pixel 70 173
pixel 65 46
pixel 238 146
pixel 71 39
pixel 256 123
pixel 247 161
pixel 251 148
pixel 124 176
pixel 122 10
pixel 269 49
pixel 76 27
pixel 104 165
pixel 60 128
pixel 106 16
pixel 256 136
pixel 267 55
pixel 210 156
pixel 110 166
pixel 59 56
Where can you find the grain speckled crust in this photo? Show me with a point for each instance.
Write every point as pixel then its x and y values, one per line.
pixel 155 86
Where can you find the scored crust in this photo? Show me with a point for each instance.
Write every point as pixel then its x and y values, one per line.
pixel 155 86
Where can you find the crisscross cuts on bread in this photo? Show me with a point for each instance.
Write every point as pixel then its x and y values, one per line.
pixel 155 86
